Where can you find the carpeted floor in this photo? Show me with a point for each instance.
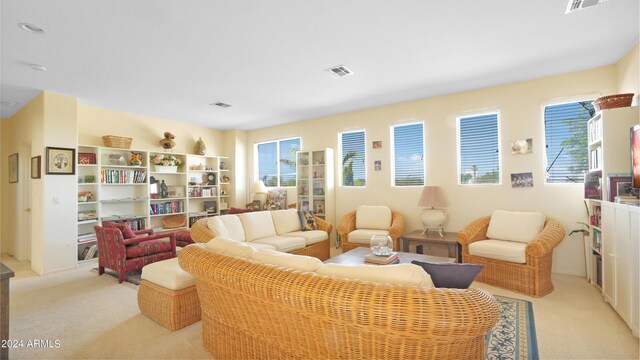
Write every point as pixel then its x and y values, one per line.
pixel 514 335
pixel 131 277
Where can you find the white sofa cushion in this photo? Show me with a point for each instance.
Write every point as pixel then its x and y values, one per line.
pixel 283 243
pixel 228 226
pixel 515 225
pixel 257 225
pixel 286 221
pixel 260 246
pixel 373 217
pixel 297 262
pixel 402 274
pixel 168 274
pixel 363 236
pixel 510 251
pixel 310 236
pixel 230 247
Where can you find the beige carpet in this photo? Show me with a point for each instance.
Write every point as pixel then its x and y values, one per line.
pixel 94 317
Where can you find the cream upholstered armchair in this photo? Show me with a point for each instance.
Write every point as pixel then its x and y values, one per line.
pixel 357 227
pixel 516 249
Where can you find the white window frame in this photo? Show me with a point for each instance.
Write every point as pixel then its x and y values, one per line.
pixel 256 160
pixel 393 153
pixel 458 144
pixel 339 162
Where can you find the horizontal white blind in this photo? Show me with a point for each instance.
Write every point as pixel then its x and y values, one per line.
pixel 408 155
pixel 268 163
pixel 353 158
pixel 565 128
pixel 479 149
pixel 288 150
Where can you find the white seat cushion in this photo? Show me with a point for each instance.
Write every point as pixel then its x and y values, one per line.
pixel 286 221
pixel 231 247
pixel 168 274
pixel 292 261
pixel 373 217
pixel 283 243
pixel 511 251
pixel 257 225
pixel 260 246
pixel 402 274
pixel 310 236
pixel 363 236
pixel 515 225
pixel 228 226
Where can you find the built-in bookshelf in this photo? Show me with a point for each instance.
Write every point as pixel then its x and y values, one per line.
pixel 314 182
pixel 88 209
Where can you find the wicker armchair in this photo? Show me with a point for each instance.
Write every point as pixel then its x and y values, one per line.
pixel 122 255
pixel 348 224
pixel 253 310
pixel 531 278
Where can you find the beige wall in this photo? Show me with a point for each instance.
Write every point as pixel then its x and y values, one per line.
pixel 628 69
pixel 146 131
pixel 521 116
pixel 235 145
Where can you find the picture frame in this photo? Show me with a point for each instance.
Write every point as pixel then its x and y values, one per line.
pixel 87 158
pixel 618 185
pixel 522 180
pixel 256 205
pixel 36 163
pixel 593 185
pixel 175 191
pixel 61 161
pixel 522 146
pixel 377 144
pixel 13 168
pixel 377 165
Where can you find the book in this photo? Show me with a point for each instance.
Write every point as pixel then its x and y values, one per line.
pixel 382 260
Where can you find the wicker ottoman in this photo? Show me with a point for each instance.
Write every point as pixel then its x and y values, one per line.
pixel 167 295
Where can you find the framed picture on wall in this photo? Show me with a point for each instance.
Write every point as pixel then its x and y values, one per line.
pixel 36 162
pixel 13 168
pixel 61 161
pixel 618 185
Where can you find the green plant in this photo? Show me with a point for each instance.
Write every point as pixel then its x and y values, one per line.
pixel 585 229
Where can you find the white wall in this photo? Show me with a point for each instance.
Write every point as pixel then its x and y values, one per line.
pixel 521 116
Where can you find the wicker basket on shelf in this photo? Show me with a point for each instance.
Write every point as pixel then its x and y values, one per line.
pixel 174 221
pixel 117 141
pixel 614 101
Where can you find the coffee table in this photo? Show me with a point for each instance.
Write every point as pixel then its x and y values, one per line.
pixel 356 257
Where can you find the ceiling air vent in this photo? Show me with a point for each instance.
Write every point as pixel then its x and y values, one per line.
pixel 575 5
pixel 220 105
pixel 339 71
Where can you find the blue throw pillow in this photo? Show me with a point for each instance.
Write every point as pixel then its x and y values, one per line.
pixel 451 275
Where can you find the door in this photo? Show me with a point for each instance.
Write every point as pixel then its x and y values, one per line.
pixel 25 170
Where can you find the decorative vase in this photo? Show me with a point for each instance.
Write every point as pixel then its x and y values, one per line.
pixel 381 245
pixel 167 143
pixel 166 169
pixel 200 148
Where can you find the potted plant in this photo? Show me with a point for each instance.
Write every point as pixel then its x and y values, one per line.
pixel 166 163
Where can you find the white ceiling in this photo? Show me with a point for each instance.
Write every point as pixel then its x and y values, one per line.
pixel 171 59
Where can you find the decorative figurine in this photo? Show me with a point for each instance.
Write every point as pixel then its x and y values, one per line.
pixel 135 159
pixel 164 192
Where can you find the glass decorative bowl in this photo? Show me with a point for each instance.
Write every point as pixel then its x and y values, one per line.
pixel 381 245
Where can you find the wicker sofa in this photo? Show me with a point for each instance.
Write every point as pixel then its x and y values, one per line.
pixel 255 310
pixel 278 226
pixel 530 276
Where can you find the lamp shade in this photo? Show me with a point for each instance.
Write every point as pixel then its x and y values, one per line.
pixel 432 196
pixel 258 187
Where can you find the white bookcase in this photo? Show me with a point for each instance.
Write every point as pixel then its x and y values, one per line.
pixel 88 209
pixel 314 182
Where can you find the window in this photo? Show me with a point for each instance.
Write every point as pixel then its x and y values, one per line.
pixel 353 169
pixel 565 134
pixel 408 155
pixel 478 149
pixel 277 162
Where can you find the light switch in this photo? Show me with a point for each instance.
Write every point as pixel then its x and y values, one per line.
pixel 56 200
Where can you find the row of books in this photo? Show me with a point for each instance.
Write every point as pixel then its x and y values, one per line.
pixel 202 192
pixel 88 236
pixel 89 252
pixel 597 269
pixel 382 260
pixel 596 240
pixel 169 207
pixel 596 217
pixel 627 199
pixel 596 158
pixel 135 223
pixel 109 176
pixel 595 129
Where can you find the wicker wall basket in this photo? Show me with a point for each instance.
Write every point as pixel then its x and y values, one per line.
pixel 174 221
pixel 614 101
pixel 117 141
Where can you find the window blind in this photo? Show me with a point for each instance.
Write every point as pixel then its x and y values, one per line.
pixel 479 149
pixel 565 130
pixel 288 150
pixel 277 162
pixel 408 155
pixel 353 158
pixel 268 163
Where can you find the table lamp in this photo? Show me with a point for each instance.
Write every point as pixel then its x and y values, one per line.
pixel 259 191
pixel 432 218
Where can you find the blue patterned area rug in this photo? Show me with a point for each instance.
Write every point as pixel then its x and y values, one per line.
pixel 514 335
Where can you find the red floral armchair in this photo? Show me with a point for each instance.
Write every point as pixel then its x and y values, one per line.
pixel 122 255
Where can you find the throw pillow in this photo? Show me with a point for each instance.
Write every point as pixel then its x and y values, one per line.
pixel 124 227
pixel 303 220
pixel 235 210
pixel 310 221
pixel 451 275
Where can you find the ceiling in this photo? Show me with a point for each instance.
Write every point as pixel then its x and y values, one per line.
pixel 171 59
